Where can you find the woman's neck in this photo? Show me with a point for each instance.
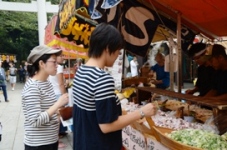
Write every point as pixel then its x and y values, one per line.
pixel 94 62
pixel 40 76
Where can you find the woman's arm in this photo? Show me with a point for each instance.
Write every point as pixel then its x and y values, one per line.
pixel 211 93
pixel 31 102
pixel 124 120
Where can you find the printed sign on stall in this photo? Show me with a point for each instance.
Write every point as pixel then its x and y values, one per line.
pixel 153 144
pixel 126 136
pixel 137 140
pixel 8 57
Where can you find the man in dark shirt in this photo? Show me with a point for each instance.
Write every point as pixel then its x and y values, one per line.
pixel 219 62
pixel 205 72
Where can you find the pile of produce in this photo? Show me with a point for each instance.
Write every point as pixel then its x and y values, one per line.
pixel 199 138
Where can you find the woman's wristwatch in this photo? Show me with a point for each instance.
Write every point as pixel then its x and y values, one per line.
pixel 141 114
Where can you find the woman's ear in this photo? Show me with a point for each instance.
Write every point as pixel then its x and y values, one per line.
pixel 41 63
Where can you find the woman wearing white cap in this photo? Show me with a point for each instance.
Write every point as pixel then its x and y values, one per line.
pixel 39 101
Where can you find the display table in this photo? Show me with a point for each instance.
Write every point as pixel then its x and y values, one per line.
pixel 219 107
pixel 134 81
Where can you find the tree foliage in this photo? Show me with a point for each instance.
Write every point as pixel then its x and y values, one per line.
pixel 19 31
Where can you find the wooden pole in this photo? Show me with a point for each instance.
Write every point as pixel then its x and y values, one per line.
pixel 179 53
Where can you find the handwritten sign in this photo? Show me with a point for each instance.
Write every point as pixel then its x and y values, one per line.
pixel 74 24
pixel 137 140
pixel 78 30
pixel 153 144
pixel 66 9
pixel 132 139
pixel 126 136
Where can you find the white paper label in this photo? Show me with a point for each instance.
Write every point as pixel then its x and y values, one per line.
pixel 153 144
pixel 126 136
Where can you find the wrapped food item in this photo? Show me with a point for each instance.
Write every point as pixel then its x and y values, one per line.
pixel 168 120
pixel 224 136
pixel 128 92
pixel 180 112
pixel 199 113
pixel 120 96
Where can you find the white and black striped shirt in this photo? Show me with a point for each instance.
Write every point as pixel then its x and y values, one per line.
pixel 40 129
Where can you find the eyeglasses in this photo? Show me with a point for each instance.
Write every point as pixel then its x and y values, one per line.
pixel 52 61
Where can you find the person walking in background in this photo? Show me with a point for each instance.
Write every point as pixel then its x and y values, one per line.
pixel 134 67
pixel 0 131
pixel 3 82
pixel 21 73
pixel 26 71
pixel 12 76
pixel 162 80
pixel 97 118
pixel 57 82
pixel 39 101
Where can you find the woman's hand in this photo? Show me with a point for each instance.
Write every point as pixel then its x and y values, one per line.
pixel 63 100
pixel 149 109
pixel 189 92
pixel 156 82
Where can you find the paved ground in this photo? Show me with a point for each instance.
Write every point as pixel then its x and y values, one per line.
pixel 12 119
pixel 11 116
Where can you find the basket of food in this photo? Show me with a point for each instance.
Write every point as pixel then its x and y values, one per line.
pixel 170 143
pixel 191 139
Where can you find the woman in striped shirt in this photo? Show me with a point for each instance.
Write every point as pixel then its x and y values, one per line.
pixel 97 116
pixel 39 102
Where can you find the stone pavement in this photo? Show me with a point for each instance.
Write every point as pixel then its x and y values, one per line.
pixel 12 119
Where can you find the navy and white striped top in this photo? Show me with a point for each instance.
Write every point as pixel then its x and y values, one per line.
pixel 94 103
pixel 40 129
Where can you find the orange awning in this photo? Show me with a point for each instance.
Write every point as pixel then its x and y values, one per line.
pixel 205 16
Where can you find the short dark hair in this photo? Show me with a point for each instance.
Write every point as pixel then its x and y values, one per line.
pixel 218 50
pixel 33 68
pixel 104 36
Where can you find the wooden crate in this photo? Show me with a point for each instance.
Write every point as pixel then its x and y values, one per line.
pixel 170 143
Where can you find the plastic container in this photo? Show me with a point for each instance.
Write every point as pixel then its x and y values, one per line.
pixel 143 102
pixel 189 118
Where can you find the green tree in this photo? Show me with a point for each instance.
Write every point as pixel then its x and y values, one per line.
pixel 19 31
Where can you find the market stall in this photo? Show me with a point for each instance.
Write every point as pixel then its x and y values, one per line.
pixel 219 107
pixel 167 19
pixel 173 131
